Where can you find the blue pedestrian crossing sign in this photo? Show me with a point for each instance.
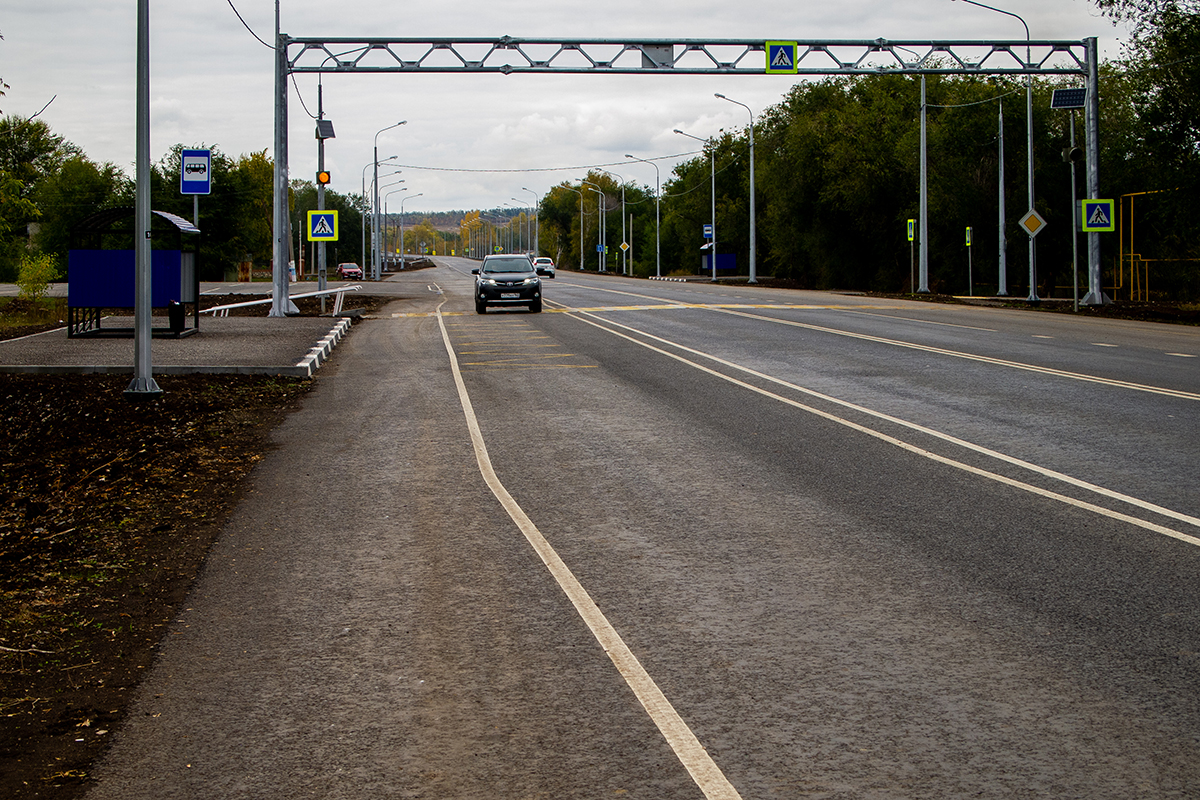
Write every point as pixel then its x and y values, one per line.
pixel 1097 215
pixel 323 226
pixel 781 58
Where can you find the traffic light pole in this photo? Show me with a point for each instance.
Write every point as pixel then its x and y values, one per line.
pixel 320 194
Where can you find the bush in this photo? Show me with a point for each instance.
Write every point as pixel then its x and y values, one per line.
pixel 35 275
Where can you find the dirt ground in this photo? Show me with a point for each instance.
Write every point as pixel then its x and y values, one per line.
pixel 107 511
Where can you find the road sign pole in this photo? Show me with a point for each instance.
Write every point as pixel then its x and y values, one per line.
pixel 321 264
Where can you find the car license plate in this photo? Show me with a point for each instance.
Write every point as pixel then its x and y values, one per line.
pixel 510 295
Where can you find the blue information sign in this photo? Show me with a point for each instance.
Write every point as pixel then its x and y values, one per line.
pixel 195 172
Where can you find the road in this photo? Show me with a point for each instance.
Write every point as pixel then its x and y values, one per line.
pixel 671 540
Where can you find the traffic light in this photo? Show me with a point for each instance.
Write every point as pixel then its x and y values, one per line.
pixel 322 177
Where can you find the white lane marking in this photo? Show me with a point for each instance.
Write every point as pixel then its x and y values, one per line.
pixel 1104 344
pixel 679 736
pixel 922 321
pixel 939 350
pixel 1136 502
pixel 1041 336
pixel 1059 373
pixel 1180 355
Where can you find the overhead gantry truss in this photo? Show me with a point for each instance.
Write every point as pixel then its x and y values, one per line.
pixel 509 55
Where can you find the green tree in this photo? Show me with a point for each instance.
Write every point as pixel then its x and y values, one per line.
pixel 78 189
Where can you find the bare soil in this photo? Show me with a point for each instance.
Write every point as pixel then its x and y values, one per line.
pixel 107 510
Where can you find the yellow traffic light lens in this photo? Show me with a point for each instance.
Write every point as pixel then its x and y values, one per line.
pixel 322 177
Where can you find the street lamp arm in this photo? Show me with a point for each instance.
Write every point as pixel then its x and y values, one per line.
pixel 1001 11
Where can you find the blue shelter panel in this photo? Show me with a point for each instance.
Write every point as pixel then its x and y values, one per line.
pixel 105 278
pixel 726 262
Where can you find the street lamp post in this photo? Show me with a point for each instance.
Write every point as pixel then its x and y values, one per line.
pixel 657 199
pixel 528 226
pixel 402 201
pixel 622 180
pixel 366 208
pixel 385 211
pixel 376 255
pixel 537 227
pixel 1033 298
pixel 580 193
pixel 753 242
pixel 595 187
pixel 712 163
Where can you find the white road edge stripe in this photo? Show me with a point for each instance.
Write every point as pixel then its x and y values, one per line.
pixel 1165 531
pixel 704 771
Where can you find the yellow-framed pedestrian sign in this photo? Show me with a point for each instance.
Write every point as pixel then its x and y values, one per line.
pixel 1097 215
pixel 323 226
pixel 968 236
pixel 912 229
pixel 781 58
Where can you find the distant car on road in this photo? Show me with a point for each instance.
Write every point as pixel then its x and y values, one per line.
pixel 504 280
pixel 544 266
pixel 350 272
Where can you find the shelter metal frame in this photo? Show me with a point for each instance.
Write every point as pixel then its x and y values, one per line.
pixel 510 55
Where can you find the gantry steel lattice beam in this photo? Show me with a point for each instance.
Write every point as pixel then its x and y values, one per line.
pixel 511 55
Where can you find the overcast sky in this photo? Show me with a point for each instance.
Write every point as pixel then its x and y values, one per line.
pixel 211 81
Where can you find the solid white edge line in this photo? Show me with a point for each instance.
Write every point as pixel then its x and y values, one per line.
pixel 1017 462
pixel 929 349
pixel 704 771
pixel 1165 531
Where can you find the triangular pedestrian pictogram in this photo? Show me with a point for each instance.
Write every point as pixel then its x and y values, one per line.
pixel 782 59
pixel 1099 217
pixel 322 227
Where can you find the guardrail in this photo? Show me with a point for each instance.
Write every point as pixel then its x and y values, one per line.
pixel 340 293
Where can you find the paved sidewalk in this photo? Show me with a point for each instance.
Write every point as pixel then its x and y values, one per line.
pixel 294 346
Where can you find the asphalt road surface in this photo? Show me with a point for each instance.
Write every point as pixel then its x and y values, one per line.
pixel 671 540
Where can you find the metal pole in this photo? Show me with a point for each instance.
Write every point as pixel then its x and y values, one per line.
pixel 280 304
pixel 1003 232
pixel 143 386
pixel 924 212
pixel 1074 221
pixel 321 263
pixel 599 222
pixel 712 163
pixel 377 254
pixel 753 245
pixel 537 223
pixel 657 215
pixel 1095 295
pixel 1033 296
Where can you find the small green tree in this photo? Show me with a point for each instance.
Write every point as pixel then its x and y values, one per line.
pixel 35 275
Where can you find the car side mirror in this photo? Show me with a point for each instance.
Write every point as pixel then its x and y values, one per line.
pixel 475 272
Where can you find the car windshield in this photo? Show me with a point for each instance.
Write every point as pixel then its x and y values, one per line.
pixel 515 264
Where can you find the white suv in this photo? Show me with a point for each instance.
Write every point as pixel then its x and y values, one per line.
pixel 544 266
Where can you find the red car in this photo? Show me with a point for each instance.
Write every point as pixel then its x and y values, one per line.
pixel 350 272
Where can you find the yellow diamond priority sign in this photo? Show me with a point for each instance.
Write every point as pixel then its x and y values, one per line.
pixel 1032 223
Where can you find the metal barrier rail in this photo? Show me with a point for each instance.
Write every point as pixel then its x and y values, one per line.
pixel 223 311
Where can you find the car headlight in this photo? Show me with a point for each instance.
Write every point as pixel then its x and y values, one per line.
pixel 488 282
pixel 529 281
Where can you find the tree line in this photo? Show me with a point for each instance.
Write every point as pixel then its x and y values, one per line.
pixel 837 179
pixel 836 171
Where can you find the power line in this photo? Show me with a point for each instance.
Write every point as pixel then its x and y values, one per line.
pixel 252 33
